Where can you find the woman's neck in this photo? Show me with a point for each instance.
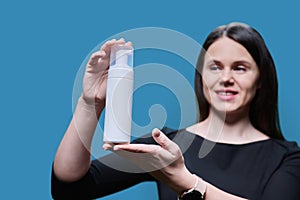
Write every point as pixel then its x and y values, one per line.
pixel 233 128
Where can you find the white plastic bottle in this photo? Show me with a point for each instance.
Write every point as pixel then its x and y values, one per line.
pixel 118 108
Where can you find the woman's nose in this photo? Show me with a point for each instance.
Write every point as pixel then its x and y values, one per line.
pixel 226 78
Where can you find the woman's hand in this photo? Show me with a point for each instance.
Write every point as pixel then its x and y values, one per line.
pixel 95 78
pixel 164 161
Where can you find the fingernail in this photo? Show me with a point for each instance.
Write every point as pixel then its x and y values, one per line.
pixel 156 132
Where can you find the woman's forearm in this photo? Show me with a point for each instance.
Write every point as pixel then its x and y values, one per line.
pixel 214 193
pixel 210 191
pixel 187 181
pixel 72 159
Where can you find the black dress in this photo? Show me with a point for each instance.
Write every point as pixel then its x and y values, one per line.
pixel 267 170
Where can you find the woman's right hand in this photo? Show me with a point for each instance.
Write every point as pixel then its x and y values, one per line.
pixel 95 78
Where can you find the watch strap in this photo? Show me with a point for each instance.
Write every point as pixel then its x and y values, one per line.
pixel 193 193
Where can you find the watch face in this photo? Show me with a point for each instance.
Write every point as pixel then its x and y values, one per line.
pixel 193 195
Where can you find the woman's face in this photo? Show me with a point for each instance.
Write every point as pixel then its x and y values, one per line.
pixel 230 76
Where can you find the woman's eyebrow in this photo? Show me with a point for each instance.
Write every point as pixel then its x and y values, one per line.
pixel 243 62
pixel 218 62
pixel 213 61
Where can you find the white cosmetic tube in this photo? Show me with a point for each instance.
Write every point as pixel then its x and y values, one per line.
pixel 119 91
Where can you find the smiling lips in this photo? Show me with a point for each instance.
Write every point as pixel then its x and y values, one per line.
pixel 227 94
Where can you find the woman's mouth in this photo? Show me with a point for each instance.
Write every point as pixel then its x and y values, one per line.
pixel 226 94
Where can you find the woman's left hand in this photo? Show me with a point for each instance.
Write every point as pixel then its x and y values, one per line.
pixel 163 161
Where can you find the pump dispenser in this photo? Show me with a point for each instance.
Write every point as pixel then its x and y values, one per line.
pixel 119 91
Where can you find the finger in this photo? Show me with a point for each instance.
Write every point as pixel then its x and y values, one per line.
pixel 129 43
pixel 107 46
pixel 160 138
pixel 136 148
pixel 165 142
pixel 96 56
pixel 108 146
pixel 121 40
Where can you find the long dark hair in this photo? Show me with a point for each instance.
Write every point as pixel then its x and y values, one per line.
pixel 264 106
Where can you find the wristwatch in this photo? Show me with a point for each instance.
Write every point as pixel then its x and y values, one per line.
pixel 194 193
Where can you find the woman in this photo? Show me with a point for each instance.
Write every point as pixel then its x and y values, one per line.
pixel 236 88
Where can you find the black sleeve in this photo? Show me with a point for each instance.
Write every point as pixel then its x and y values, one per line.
pixel 285 182
pixel 107 175
pixel 101 179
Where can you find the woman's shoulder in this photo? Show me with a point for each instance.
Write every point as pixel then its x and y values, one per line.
pixel 287 153
pixel 289 148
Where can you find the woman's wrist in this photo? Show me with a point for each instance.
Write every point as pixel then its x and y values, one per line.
pixel 182 181
pixel 91 106
pixel 199 185
pixel 202 186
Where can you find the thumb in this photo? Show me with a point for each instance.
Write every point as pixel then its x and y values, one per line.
pixel 164 141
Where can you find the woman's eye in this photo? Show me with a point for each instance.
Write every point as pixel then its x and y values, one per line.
pixel 240 69
pixel 215 68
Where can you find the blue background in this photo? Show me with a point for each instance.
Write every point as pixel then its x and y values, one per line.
pixel 43 44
